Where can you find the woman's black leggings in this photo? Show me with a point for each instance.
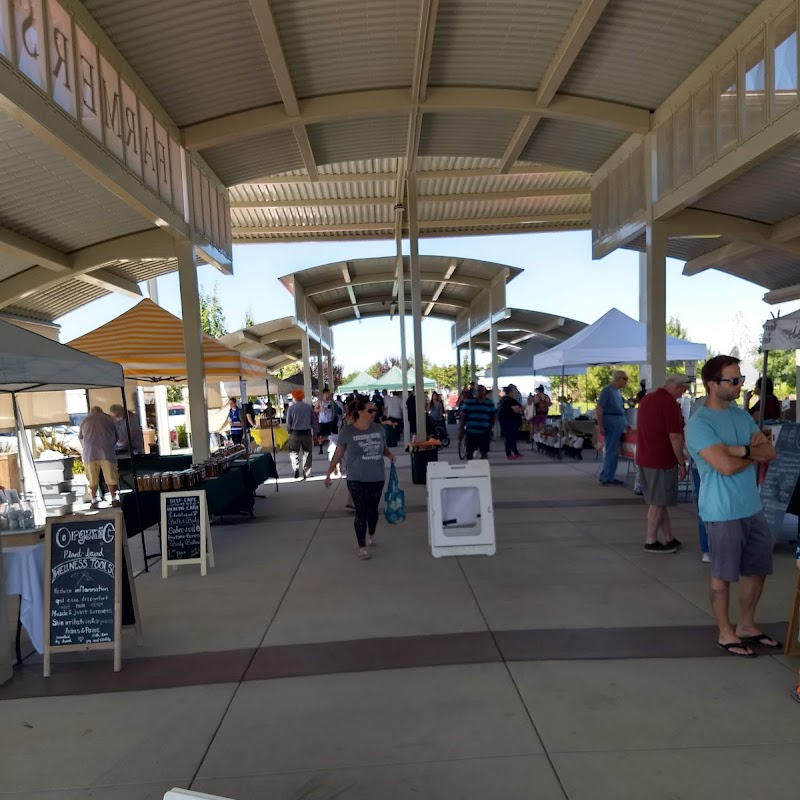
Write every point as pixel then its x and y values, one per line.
pixel 366 499
pixel 510 434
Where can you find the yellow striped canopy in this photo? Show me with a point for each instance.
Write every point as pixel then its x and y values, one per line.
pixel 147 342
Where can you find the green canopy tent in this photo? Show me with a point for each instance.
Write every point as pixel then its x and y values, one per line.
pixel 361 383
pixel 392 381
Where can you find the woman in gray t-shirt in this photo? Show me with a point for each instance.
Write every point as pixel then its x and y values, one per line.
pixel 365 445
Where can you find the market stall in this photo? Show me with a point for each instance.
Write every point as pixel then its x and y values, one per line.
pixel 31 365
pixel 615 338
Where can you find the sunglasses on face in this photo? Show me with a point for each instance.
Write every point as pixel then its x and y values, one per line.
pixel 371 410
pixel 732 381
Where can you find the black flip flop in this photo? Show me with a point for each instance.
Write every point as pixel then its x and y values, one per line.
pixel 758 639
pixel 728 648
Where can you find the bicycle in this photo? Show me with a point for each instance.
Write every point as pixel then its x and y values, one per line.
pixel 440 433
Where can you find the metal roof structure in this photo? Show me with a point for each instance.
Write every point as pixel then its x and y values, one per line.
pixel 276 343
pixel 349 290
pixel 522 325
pixel 315 120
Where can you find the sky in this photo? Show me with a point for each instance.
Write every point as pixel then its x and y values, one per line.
pixel 559 277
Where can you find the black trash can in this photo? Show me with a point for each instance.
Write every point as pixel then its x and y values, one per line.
pixel 419 463
pixel 392 435
pixel 451 416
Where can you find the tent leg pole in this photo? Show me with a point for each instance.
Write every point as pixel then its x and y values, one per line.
pixel 135 488
pixel 763 397
pixel 272 434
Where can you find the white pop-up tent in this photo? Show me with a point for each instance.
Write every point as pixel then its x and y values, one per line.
pixel 780 333
pixel 615 338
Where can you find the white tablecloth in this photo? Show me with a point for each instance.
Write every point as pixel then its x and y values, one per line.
pixel 23 569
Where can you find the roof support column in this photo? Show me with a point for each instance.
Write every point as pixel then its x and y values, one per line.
pixel 416 306
pixel 473 369
pixel 320 369
pixel 193 345
pixel 495 367
pixel 401 312
pixel 645 369
pixel 306 345
pixel 656 303
pixel 459 378
pixel 331 381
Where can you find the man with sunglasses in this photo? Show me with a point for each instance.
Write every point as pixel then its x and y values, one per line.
pixel 725 443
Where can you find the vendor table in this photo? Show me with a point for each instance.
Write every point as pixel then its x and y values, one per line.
pixel 23 571
pixel 230 493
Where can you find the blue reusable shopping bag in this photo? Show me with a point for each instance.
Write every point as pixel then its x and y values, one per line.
pixel 394 500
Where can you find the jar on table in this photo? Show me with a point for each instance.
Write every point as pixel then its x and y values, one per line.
pixel 166 481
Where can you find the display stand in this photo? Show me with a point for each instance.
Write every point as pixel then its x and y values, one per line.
pixel 185 531
pixel 460 513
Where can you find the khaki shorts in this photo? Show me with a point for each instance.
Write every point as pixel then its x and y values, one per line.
pixel 108 468
pixel 659 486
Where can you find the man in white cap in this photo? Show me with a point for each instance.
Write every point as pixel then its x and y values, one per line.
pixel 660 459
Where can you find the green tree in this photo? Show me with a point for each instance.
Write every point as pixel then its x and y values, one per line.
pixel 249 319
pixel 174 394
pixel 674 328
pixel 349 377
pixel 212 318
pixel 288 370
pixel 783 371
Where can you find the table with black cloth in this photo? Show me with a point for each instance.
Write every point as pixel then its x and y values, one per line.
pixel 148 463
pixel 229 494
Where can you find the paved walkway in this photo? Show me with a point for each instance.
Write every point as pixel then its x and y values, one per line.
pixel 570 665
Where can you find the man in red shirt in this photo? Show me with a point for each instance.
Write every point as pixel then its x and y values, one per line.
pixel 660 459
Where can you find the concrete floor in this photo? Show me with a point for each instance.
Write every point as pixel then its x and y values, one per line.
pixel 569 665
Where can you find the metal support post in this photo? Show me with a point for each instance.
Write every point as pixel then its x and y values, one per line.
pixel 459 380
pixel 495 365
pixel 401 312
pixel 645 370
pixel 416 306
pixel 656 303
pixel 193 345
pixel 306 347
pixel 331 381
pixel 473 369
pixel 320 368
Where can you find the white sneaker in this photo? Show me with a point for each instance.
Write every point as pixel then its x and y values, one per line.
pixel 706 558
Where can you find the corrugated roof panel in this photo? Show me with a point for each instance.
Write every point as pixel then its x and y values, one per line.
pixel 503 183
pixel 682 249
pixel 480 209
pixel 255 157
pixel 141 271
pixel 59 300
pixel 769 192
pixel 45 197
pixel 336 47
pixel 642 50
pixel 502 43
pixel 474 134
pixel 772 271
pixel 200 58
pixel 383 137
pixel 576 145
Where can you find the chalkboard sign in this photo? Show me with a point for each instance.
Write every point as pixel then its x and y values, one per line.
pixel 185 538
pixel 83 571
pixel 781 479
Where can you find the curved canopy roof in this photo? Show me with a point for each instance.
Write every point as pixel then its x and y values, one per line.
pixel 348 290
pixel 313 119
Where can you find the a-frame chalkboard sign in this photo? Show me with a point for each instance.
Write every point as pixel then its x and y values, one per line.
pixel 185 532
pixel 87 574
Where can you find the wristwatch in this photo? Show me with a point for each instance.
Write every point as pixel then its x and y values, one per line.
pixel 747 451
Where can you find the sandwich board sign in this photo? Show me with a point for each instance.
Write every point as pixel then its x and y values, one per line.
pixel 185 534
pixel 87 573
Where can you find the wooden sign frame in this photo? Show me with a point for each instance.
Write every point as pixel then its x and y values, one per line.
pixel 120 534
pixel 206 544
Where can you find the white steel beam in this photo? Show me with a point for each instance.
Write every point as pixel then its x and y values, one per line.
pixel 451 268
pixel 433 174
pixel 113 283
pixel 11 241
pixel 785 295
pixel 398 102
pixel 465 197
pixel 383 277
pixel 384 300
pixel 718 257
pixel 529 219
pixel 574 39
pixel 280 70
pixel 350 290
pixel 416 305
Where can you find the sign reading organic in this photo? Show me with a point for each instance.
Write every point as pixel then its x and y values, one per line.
pixel 83 589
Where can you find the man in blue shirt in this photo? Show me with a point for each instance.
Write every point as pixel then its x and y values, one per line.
pixel 477 420
pixel 611 424
pixel 725 443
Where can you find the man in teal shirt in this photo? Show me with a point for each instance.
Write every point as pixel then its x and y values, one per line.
pixel 725 443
